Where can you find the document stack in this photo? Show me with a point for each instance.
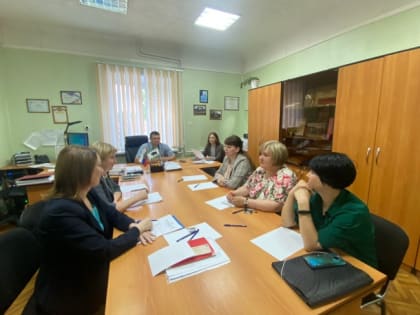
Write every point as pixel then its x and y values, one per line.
pixel 191 251
pixel 22 158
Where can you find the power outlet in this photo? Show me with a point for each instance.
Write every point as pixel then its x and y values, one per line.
pixel 87 127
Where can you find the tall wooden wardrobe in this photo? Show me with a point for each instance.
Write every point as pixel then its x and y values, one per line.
pixel 377 125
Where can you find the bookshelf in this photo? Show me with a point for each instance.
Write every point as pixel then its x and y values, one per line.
pixel 308 110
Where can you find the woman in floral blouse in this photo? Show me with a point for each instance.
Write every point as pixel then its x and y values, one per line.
pixel 267 188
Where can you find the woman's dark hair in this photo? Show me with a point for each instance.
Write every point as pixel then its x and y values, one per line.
pixel 215 135
pixel 235 141
pixel 73 171
pixel 334 169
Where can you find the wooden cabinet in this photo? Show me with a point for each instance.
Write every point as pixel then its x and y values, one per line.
pixel 263 117
pixel 376 124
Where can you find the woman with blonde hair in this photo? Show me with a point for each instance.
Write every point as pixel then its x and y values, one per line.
pixel 267 187
pixel 109 189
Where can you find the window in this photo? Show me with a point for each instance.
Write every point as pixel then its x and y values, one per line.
pixel 136 101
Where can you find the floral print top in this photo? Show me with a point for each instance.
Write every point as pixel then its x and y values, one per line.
pixel 274 188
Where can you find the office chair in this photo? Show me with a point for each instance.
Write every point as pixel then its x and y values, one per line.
pixel 132 145
pixel 391 245
pixel 30 217
pixel 20 258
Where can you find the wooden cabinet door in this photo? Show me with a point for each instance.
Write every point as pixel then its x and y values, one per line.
pixel 263 117
pixel 394 189
pixel 358 93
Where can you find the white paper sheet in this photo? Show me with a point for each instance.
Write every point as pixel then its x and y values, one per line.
pixel 172 166
pixel 134 187
pixel 220 203
pixel 202 186
pixel 205 230
pixel 152 198
pixel 166 224
pixel 279 243
pixel 165 257
pixel 193 178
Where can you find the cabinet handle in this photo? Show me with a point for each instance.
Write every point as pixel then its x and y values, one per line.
pixel 368 153
pixel 378 150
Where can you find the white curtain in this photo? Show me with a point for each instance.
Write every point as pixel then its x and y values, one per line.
pixel 136 101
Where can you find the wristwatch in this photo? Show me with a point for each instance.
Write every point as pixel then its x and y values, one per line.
pixel 246 202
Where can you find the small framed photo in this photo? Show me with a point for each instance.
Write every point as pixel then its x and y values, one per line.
pixel 37 105
pixel 71 97
pixel 215 114
pixel 231 103
pixel 204 96
pixel 60 115
pixel 199 110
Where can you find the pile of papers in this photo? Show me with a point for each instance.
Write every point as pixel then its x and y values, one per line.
pixel 42 178
pixel 187 256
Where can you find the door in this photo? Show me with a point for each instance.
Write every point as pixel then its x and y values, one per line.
pixel 263 117
pixel 356 112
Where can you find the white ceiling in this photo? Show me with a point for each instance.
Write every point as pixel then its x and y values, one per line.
pixel 266 31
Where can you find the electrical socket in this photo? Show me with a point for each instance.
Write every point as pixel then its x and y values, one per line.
pixel 87 127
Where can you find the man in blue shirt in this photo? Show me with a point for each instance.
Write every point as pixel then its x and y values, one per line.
pixel 154 150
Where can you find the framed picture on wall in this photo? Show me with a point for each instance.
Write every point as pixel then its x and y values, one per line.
pixel 231 103
pixel 37 105
pixel 71 97
pixel 199 110
pixel 215 114
pixel 204 96
pixel 60 115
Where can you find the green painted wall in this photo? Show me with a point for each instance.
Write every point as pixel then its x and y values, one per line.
pixel 33 74
pixel 4 129
pixel 382 37
pixel 219 85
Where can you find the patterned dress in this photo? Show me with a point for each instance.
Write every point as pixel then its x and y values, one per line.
pixel 274 188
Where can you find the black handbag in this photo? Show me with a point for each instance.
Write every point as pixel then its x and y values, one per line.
pixel 319 286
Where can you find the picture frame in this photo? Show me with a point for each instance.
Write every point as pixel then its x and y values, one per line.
pixel 199 110
pixel 231 102
pixel 71 97
pixel 204 96
pixel 35 105
pixel 215 114
pixel 60 115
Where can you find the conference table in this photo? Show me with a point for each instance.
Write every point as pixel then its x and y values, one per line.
pixel 246 285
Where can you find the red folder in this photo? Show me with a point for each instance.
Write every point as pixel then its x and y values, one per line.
pixel 201 247
pixel 36 176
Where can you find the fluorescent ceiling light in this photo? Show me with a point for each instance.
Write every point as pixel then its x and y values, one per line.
pixel 117 6
pixel 216 19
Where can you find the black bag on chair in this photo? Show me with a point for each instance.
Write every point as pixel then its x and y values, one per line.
pixel 319 286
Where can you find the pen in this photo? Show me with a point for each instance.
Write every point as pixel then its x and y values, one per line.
pixel 235 225
pixel 236 211
pixel 196 185
pixel 192 234
pixel 180 180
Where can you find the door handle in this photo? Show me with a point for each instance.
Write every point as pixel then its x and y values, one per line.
pixel 368 153
pixel 378 150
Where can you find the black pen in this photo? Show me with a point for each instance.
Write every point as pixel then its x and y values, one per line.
pixel 236 211
pixel 195 186
pixel 235 225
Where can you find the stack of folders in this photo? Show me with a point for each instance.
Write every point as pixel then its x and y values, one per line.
pixel 188 258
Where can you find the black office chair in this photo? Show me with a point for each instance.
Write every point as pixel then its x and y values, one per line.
pixel 391 245
pixel 132 145
pixel 20 258
pixel 30 217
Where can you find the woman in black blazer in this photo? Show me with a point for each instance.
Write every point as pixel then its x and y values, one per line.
pixel 75 232
pixel 213 151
